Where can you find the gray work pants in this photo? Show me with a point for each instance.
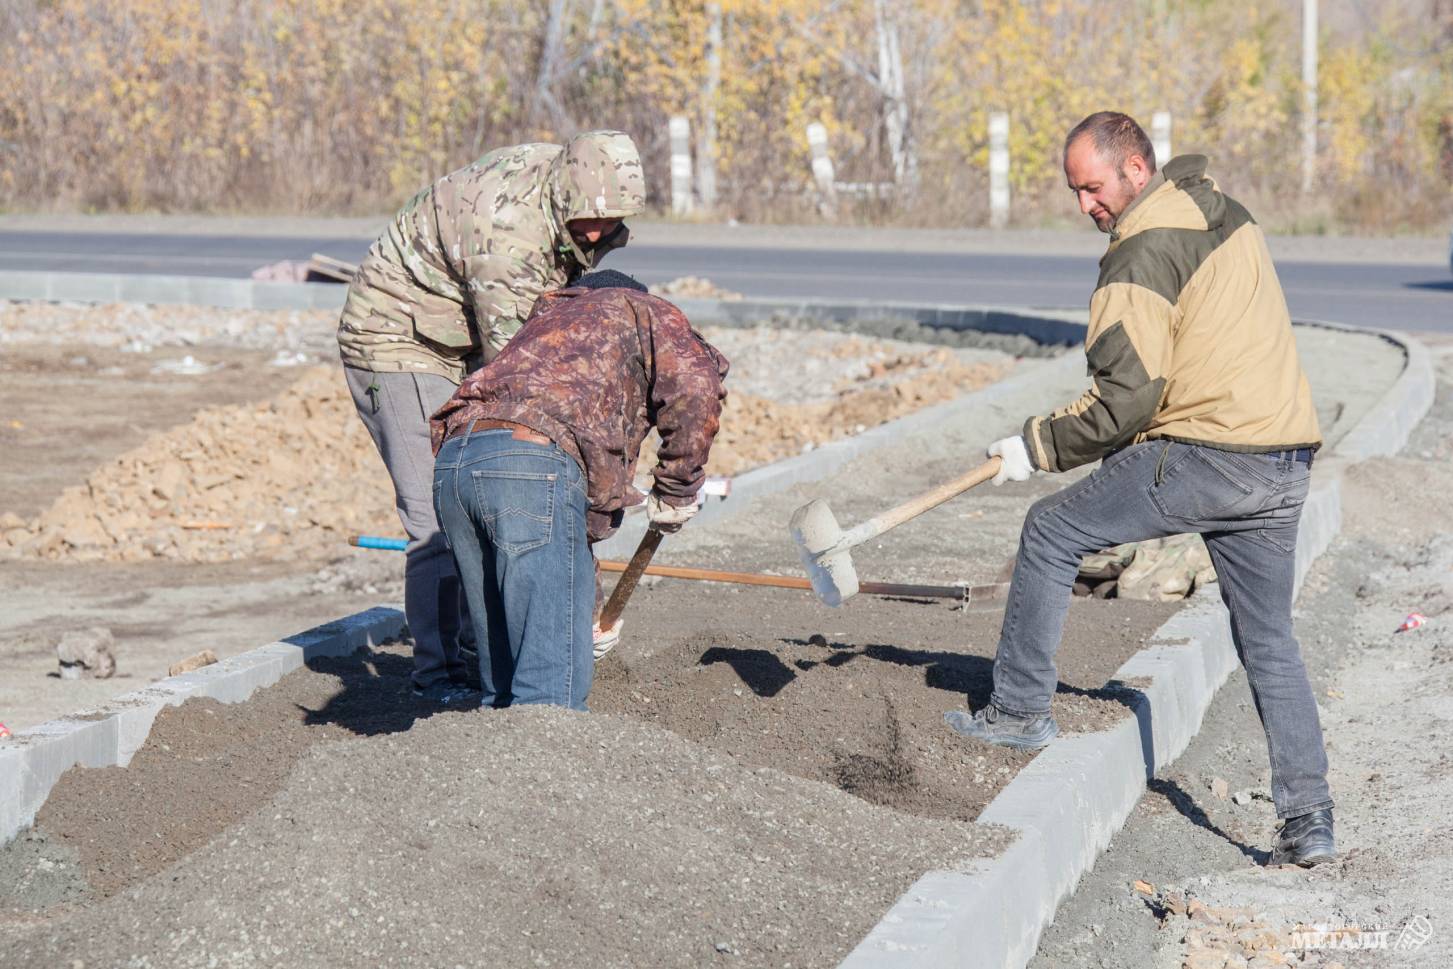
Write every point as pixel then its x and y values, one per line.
pixel 396 412
pixel 1246 507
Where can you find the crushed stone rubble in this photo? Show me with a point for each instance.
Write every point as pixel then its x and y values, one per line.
pixel 675 856
pixel 294 476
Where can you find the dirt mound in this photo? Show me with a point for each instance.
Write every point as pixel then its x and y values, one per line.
pixel 582 841
pixel 288 478
pixel 757 430
pixel 862 712
pixel 293 477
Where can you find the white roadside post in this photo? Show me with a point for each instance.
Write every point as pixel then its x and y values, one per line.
pixel 1160 137
pixel 1309 94
pixel 998 169
pixel 822 170
pixel 680 129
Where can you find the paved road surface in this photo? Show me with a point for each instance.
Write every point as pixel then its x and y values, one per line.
pixel 1415 297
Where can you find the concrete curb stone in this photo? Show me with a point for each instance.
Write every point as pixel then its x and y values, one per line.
pixel 1049 326
pixel 1072 799
pixel 34 759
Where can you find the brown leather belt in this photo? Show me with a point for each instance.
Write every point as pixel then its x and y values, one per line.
pixel 520 431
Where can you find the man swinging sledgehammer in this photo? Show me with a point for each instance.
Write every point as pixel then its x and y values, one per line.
pixel 1204 421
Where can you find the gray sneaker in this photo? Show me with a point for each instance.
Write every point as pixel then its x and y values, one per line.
pixel 994 726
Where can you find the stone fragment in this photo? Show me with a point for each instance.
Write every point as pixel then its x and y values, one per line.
pixel 1241 798
pixel 1205 959
pixel 85 532
pixel 194 662
pixel 87 652
pixel 1219 788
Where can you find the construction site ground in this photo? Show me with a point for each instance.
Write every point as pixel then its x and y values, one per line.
pixel 760 778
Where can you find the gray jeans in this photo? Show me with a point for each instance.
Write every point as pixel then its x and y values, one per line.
pixel 396 412
pixel 1246 507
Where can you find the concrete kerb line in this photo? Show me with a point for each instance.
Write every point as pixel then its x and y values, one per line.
pixel 35 758
pixel 1050 326
pixel 1076 795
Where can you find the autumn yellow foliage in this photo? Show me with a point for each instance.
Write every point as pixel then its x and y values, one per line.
pixel 348 106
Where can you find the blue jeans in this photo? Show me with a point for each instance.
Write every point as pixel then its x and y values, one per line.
pixel 514 514
pixel 1247 508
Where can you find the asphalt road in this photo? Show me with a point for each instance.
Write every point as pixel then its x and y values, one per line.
pixel 1412 297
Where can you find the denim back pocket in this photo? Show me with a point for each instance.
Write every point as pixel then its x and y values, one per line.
pixel 517 508
pixel 1198 486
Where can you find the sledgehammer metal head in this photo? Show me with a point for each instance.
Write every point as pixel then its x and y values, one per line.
pixel 826 550
pixel 830 570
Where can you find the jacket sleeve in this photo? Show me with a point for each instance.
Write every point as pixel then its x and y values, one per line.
pixel 685 400
pixel 1128 349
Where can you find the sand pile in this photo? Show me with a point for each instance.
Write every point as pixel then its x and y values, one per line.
pixel 288 478
pixel 295 476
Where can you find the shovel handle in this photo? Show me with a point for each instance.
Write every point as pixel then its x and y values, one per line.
pixel 616 604
pixel 894 517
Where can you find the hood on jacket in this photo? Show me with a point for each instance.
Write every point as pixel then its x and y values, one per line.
pixel 1180 196
pixel 597 176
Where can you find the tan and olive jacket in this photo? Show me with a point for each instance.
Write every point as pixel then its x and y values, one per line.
pixel 461 265
pixel 1189 337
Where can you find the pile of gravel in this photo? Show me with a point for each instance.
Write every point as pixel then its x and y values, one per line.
pixel 532 836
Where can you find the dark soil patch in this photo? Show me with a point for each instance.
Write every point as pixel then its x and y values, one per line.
pixel 207 765
pixel 861 711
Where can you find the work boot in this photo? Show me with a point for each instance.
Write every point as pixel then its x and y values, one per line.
pixel 448 694
pixel 1305 840
pixel 994 726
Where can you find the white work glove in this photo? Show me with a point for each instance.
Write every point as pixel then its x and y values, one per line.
pixel 604 641
pixel 668 518
pixel 1015 457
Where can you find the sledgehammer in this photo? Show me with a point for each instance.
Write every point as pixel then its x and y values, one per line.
pixel 826 550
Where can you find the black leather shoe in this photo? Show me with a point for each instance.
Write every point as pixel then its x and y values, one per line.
pixel 1305 840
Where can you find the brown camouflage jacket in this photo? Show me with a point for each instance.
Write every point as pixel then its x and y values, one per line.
pixel 595 370
pixel 462 264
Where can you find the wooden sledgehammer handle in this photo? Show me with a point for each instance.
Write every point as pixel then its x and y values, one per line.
pixel 894 517
pixel 627 582
pixel 905 590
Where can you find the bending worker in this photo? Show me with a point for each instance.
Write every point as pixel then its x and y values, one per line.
pixel 1204 419
pixel 440 294
pixel 536 455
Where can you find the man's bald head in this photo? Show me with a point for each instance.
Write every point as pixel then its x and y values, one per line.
pixel 1108 161
pixel 1116 138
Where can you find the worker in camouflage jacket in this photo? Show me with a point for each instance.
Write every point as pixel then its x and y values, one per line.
pixel 536 457
pixel 1203 422
pixel 440 293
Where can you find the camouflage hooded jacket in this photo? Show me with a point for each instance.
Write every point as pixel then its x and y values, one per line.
pixel 594 370
pixel 462 264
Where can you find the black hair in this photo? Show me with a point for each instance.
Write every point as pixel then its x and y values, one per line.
pixel 610 279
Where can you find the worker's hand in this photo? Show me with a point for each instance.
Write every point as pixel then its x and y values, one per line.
pixel 668 518
pixel 603 641
pixel 1015 457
